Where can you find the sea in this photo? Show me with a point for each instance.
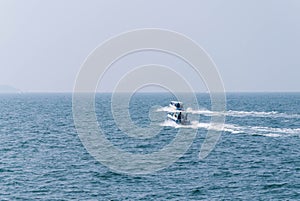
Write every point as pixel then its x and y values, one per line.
pixel 257 156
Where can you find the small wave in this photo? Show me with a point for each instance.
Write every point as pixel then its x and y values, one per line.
pixel 271 135
pixel 235 129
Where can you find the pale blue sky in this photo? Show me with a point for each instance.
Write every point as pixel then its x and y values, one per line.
pixel 255 44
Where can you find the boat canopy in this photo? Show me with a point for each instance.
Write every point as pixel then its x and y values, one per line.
pixel 178 105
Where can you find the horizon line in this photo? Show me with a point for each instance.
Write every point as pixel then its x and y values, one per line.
pixel 110 92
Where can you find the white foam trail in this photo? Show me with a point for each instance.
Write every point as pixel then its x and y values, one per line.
pixel 193 125
pixel 272 114
pixel 234 129
pixel 205 112
pixel 166 109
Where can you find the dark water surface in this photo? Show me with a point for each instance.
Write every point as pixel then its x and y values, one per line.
pixel 257 157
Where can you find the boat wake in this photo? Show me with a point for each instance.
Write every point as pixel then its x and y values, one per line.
pixel 235 129
pixel 233 113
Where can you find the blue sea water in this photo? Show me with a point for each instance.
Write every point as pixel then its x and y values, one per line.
pixel 256 158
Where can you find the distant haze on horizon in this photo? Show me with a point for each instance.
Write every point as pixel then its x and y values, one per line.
pixel 254 44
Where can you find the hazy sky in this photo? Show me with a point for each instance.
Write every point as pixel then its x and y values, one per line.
pixel 255 44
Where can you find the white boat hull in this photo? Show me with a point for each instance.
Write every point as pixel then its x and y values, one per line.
pixel 178 121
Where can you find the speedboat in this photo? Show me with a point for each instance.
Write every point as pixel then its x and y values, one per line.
pixel 177 114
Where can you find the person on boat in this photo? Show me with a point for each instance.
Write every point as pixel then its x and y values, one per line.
pixel 179 116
